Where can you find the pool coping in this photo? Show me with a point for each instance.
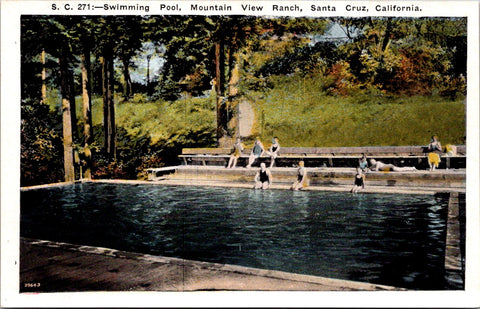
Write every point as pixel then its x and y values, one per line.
pixel 213 183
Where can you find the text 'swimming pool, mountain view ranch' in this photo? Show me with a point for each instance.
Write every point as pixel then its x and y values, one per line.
pixel 200 153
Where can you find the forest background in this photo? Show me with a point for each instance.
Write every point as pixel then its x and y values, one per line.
pixel 109 96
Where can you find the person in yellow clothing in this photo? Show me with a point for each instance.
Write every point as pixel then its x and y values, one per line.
pixel 435 149
pixel 236 153
pixel 433 160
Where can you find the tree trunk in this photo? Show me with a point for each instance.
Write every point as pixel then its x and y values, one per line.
pixel 44 79
pixel 108 105
pixel 87 113
pixel 128 81
pixel 73 112
pixel 233 74
pixel 219 70
pixel 386 38
pixel 69 167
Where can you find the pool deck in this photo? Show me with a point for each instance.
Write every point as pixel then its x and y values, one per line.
pixel 320 179
pixel 47 266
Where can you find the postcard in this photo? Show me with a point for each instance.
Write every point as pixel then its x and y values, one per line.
pixel 240 153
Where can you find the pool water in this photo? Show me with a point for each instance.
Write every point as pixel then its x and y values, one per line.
pixel 397 240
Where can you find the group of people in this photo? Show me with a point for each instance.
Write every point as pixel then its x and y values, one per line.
pixel 263 177
pixel 363 168
pixel 435 149
pixel 257 151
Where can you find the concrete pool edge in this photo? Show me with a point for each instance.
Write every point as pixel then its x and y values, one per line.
pixel 193 182
pixel 196 275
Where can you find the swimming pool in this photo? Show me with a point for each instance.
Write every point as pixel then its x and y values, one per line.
pixel 390 239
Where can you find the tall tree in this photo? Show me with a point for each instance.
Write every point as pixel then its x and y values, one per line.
pixel 106 39
pixel 108 102
pixel 44 78
pixel 85 42
pixel 62 31
pixel 129 37
pixel 87 111
pixel 67 107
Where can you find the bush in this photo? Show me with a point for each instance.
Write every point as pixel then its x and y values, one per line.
pixel 109 170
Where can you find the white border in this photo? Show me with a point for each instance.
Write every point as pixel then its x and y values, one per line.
pixel 10 169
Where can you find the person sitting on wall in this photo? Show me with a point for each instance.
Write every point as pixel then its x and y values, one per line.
pixel 363 164
pixel 435 145
pixel 273 151
pixel 236 153
pixel 257 151
pixel 301 181
pixel 263 178
pixel 380 166
pixel 434 151
pixel 451 150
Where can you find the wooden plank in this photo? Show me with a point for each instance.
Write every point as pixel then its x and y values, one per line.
pixel 206 151
pixel 373 150
pixel 327 156
pixel 399 150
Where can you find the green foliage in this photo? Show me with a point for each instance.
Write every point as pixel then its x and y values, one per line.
pixel 302 59
pixel 152 134
pixel 415 56
pixel 41 145
pixel 302 114
pixel 188 121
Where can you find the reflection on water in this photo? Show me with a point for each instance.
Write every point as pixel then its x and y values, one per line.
pixel 388 239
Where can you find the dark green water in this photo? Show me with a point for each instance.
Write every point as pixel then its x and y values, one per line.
pixel 396 240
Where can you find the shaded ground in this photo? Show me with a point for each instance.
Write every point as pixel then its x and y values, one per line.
pixel 57 267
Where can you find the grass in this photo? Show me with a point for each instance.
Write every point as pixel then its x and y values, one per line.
pixel 164 123
pixel 301 116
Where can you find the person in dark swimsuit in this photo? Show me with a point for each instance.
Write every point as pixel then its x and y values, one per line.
pixel 273 151
pixel 263 178
pixel 359 183
pixel 435 145
pixel 301 182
